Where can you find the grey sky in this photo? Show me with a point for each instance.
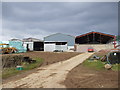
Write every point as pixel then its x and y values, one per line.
pixel 22 20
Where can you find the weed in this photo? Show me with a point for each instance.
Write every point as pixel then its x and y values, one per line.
pixel 7 72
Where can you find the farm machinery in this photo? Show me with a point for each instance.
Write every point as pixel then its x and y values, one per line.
pixel 7 49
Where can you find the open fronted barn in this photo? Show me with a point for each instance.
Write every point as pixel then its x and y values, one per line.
pixel 94 38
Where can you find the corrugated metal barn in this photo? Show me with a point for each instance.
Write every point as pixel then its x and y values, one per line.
pixel 94 38
pixel 58 41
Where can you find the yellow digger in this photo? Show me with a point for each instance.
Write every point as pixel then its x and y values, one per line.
pixel 6 49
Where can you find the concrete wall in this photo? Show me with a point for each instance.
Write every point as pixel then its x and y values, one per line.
pixel 97 47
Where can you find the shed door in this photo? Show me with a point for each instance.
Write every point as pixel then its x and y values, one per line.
pixel 49 47
pixel 38 46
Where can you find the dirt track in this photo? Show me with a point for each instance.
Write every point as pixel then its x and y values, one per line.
pixel 50 76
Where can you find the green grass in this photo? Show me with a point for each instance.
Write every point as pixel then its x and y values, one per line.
pixel 33 65
pixel 7 72
pixel 98 65
pixel 116 67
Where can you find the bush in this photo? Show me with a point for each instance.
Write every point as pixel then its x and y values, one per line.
pixel 11 61
pixel 7 72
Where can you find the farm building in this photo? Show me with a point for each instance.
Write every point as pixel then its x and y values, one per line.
pixel 55 45
pixel 95 40
pixel 59 41
pixel 33 44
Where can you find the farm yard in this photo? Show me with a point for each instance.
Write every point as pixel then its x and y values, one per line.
pixel 61 61
pixel 66 71
pixel 54 73
pixel 60 44
pixel 92 74
pixel 42 58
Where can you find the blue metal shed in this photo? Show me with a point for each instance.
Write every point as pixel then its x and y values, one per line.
pixel 61 37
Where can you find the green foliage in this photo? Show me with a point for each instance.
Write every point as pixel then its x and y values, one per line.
pixel 33 65
pixel 9 61
pixel 116 67
pixel 96 64
pixel 7 72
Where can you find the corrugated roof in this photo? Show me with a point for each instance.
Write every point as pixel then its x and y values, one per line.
pixel 59 33
pixel 95 32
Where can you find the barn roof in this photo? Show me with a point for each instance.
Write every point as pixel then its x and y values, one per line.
pixel 96 33
pixel 94 38
pixel 59 33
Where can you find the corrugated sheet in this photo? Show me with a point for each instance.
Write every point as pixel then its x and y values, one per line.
pixel 61 37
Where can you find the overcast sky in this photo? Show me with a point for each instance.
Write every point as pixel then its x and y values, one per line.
pixel 23 20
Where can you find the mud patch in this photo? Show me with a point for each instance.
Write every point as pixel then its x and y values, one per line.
pixel 84 77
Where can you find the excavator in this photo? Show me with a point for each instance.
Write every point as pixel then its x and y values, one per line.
pixel 6 49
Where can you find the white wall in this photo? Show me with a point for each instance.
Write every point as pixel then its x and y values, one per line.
pixel 52 46
pixel 30 45
pixel 61 47
pixel 49 47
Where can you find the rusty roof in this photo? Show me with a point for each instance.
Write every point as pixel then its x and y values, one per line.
pixel 96 33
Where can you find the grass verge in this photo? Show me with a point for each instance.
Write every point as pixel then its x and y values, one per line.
pixel 98 65
pixel 7 72
pixel 116 67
